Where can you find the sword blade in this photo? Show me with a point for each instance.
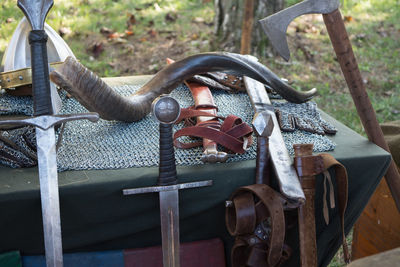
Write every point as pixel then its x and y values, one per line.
pixel 281 161
pixel 169 214
pixel 47 164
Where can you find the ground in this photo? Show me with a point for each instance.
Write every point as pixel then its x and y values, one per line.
pixel 121 38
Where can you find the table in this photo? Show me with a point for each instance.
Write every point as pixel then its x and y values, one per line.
pixel 96 216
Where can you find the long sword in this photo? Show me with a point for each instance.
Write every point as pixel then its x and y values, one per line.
pixel 167 110
pixel 36 12
pixel 282 164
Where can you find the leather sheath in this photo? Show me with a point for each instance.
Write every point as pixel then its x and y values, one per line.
pixel 220 80
pixel 308 166
pixel 204 102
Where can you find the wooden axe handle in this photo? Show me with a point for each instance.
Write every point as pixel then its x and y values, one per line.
pixel 344 52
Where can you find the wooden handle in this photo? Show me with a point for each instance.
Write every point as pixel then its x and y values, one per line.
pixel 344 52
pixel 306 212
pixel 247 27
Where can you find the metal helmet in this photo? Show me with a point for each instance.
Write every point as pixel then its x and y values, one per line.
pixel 18 55
pixel 16 63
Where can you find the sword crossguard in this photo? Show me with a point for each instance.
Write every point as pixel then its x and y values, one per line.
pixel 157 189
pixel 46 121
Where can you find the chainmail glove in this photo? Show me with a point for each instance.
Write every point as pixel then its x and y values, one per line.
pixel 303 117
pixel 18 147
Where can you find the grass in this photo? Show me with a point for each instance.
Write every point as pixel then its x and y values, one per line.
pixel 372 26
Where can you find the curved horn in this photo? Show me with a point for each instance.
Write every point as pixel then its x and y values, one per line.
pixel 97 96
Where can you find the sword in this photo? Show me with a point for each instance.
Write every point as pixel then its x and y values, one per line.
pixel 36 12
pixel 166 110
pixel 282 165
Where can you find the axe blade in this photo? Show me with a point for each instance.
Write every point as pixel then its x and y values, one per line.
pixel 275 26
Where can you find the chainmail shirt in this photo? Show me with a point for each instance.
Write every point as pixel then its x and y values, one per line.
pixel 114 145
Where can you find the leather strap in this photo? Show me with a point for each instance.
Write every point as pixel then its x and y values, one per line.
pixel 242 218
pixel 229 134
pixel 342 191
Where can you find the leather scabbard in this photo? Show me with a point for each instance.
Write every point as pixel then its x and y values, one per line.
pixel 204 102
pixel 308 166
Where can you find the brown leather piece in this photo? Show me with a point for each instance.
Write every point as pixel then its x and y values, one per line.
pixel 244 215
pixel 249 250
pixel 342 191
pixel 309 165
pixel 229 134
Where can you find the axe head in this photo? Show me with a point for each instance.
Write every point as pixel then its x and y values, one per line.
pixel 275 26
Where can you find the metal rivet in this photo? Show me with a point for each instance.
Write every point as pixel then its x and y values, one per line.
pixel 20 77
pixel 228 203
pixel 8 79
pixel 226 77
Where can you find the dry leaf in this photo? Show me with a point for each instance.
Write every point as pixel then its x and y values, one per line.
pixel 64 31
pixel 114 35
pixel 96 48
pixel 198 20
pixel 105 31
pixel 152 33
pixel 348 18
pixel 194 36
pixel 171 17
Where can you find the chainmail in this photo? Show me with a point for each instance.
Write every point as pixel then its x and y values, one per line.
pixel 114 145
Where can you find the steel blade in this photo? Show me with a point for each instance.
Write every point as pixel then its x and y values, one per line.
pixel 281 161
pixel 47 164
pixel 169 214
pixel 275 26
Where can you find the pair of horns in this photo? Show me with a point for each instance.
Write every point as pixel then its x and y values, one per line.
pixel 97 96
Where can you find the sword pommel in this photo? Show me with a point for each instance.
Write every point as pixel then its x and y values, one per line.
pixel 36 11
pixel 166 110
pixel 263 124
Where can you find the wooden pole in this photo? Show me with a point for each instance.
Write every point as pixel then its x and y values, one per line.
pixel 344 52
pixel 247 27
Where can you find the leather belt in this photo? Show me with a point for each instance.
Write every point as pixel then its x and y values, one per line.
pixel 241 221
pixel 230 134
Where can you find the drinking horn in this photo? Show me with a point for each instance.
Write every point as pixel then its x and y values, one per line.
pixel 97 96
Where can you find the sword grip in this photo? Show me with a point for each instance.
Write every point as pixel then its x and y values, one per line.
pixel 40 73
pixel 167 169
pixel 263 170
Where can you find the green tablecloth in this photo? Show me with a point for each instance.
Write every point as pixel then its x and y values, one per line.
pixel 96 216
